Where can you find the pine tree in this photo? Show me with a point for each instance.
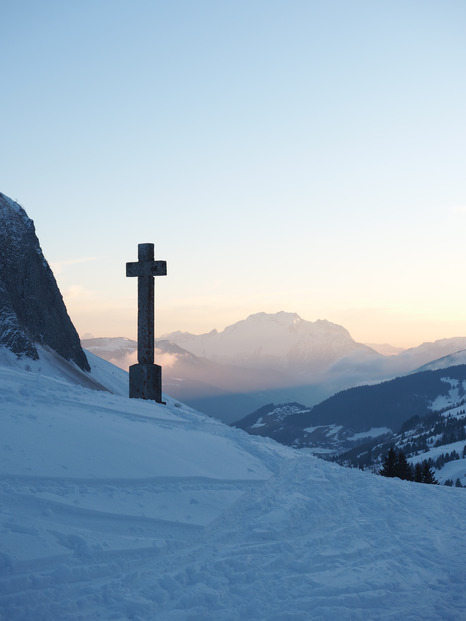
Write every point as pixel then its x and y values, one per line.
pixel 418 472
pixel 402 468
pixel 389 465
pixel 428 475
pixel 458 483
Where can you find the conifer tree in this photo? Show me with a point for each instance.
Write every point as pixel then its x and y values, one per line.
pixel 389 465
pixel 403 468
pixel 428 475
pixel 418 472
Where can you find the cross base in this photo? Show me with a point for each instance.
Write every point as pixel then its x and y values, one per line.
pixel 145 382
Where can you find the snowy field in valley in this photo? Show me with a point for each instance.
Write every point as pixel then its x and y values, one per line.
pixel 118 509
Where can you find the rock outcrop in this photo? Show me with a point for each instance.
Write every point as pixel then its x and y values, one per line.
pixel 32 310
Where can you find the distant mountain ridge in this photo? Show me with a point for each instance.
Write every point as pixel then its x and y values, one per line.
pixel 32 311
pixel 385 405
pixel 280 341
pixel 417 413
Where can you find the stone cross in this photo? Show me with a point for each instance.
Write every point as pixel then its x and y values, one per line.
pixel 145 378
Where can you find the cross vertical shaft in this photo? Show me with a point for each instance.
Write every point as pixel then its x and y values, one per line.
pixel 145 378
pixel 145 308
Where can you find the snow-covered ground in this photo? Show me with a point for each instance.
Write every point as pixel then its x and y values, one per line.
pixel 118 509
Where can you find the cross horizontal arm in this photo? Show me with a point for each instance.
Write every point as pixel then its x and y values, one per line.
pixel 146 268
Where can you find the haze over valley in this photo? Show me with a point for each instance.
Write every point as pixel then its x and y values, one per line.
pixel 268 358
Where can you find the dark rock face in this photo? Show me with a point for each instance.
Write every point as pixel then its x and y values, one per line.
pixel 32 310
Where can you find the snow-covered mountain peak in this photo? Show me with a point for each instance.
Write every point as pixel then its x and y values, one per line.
pixel 277 340
pixel 289 321
pixel 281 318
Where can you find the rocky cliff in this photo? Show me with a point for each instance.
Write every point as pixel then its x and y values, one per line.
pixel 32 310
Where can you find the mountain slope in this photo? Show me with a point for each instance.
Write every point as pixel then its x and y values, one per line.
pixel 416 357
pixel 32 311
pixel 359 424
pixel 124 509
pixel 438 439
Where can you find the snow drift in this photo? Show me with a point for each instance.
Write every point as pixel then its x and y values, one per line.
pixel 124 509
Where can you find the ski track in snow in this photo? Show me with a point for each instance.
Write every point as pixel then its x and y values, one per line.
pixel 117 509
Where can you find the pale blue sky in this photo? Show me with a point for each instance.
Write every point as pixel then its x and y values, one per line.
pixel 306 156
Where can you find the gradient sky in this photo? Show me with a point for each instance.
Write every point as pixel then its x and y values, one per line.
pixel 297 155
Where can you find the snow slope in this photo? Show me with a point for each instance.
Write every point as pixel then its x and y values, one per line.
pixel 122 509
